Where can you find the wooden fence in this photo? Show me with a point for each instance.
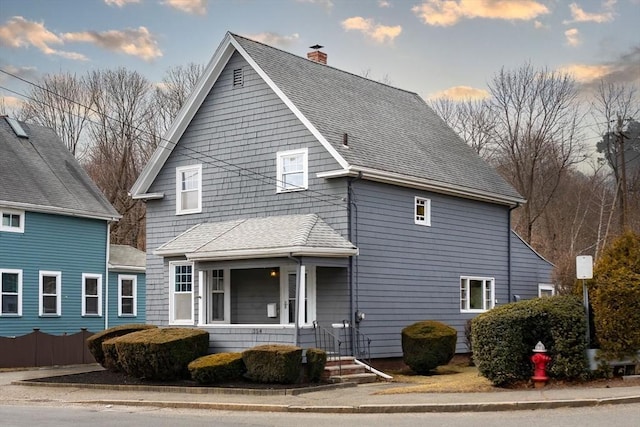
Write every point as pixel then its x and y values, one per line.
pixel 41 349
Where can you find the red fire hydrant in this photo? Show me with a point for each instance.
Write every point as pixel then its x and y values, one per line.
pixel 540 361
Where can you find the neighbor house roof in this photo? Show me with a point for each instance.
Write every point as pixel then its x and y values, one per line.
pixel 126 258
pixel 277 236
pixel 393 135
pixel 40 174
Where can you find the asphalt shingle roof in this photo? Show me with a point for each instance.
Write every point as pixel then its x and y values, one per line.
pixel 39 173
pixel 125 256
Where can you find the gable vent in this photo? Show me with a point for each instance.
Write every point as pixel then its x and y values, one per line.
pixel 238 77
pixel 17 128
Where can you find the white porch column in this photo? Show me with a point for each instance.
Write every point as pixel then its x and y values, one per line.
pixel 301 295
pixel 200 298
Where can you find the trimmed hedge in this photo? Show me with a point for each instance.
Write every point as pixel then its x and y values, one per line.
pixel 316 361
pixel 273 363
pixel 217 368
pixel 111 355
pixel 161 354
pixel 94 342
pixel 427 345
pixel 504 337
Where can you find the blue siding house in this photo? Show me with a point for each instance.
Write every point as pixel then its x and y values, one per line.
pixel 289 194
pixel 54 239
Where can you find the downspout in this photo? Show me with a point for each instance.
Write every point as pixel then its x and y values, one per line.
pixel 352 232
pixel 296 319
pixel 509 296
pixel 106 280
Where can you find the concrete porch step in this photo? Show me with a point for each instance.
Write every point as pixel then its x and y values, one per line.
pixel 346 369
pixel 361 378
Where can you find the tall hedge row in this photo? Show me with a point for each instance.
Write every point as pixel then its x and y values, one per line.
pixel 504 337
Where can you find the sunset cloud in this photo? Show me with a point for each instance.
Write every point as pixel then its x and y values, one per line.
pixel 579 15
pixel 573 37
pixel 377 32
pixel 17 32
pixel 9 104
pixel 449 12
pixel 120 3
pixel 275 39
pixel 623 70
pixel 461 93
pixel 383 3
pixel 586 73
pixel 327 4
pixel 194 7
pixel 135 42
pixel 28 73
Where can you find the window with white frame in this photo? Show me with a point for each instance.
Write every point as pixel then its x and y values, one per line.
pixel 292 170
pixel 10 292
pixel 476 294
pixel 217 312
pixel 91 294
pixel 188 189
pixel 422 211
pixel 12 221
pixel 545 290
pixel 127 291
pixel 50 286
pixel 181 293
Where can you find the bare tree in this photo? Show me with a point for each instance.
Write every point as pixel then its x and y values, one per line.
pixel 61 102
pixel 536 134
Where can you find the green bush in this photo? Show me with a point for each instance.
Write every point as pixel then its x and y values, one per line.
pixel 614 294
pixel 273 363
pixel 94 342
pixel 427 345
pixel 111 355
pixel 217 368
pixel 504 337
pixel 161 354
pixel 316 361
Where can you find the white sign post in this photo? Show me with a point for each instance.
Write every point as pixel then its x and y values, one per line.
pixel 584 270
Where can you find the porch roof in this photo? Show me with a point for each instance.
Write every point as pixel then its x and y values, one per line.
pixel 268 237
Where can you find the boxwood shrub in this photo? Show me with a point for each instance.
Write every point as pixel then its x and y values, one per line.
pixel 427 345
pixel 316 361
pixel 217 368
pixel 111 355
pixel 273 363
pixel 161 354
pixel 504 337
pixel 94 342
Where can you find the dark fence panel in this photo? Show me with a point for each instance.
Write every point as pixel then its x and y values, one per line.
pixel 41 349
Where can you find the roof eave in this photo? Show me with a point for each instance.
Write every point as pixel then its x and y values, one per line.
pixel 60 211
pixel 127 268
pixel 281 252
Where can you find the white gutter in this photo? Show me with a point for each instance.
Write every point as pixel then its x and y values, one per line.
pixel 260 253
pixel 372 369
pixel 147 196
pixel 60 211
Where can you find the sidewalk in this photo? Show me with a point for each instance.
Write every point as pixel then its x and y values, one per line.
pixel 349 399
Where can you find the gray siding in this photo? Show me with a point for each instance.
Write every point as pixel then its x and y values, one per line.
pixel 332 296
pixel 235 135
pixel 528 269
pixel 251 290
pixel 234 339
pixel 408 272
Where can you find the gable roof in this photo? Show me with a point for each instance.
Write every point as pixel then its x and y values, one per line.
pixel 394 136
pixel 126 258
pixel 276 236
pixel 40 174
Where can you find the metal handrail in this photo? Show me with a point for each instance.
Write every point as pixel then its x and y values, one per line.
pixel 328 342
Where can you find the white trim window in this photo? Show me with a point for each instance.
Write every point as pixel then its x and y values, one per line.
pixel 10 292
pixel 188 189
pixel 422 211
pixel 476 294
pixel 292 170
pixel 50 289
pixel 127 295
pixel 12 221
pixel 91 294
pixel 181 284
pixel 546 290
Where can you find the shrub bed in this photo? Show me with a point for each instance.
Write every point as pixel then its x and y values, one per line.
pixel 217 368
pixel 504 337
pixel 316 361
pixel 94 342
pixel 273 363
pixel 427 345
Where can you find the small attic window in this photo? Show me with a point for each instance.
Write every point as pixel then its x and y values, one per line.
pixel 238 77
pixel 17 129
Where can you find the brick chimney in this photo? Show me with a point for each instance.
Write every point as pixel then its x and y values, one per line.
pixel 316 55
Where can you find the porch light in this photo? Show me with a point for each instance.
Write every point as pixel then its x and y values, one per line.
pixel 273 272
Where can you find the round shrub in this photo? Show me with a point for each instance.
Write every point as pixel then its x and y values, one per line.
pixel 316 361
pixel 273 363
pixel 94 342
pixel 427 345
pixel 217 368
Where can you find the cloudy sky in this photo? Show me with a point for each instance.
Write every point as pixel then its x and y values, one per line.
pixel 432 47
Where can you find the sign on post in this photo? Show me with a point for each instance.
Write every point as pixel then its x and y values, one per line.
pixel 584 267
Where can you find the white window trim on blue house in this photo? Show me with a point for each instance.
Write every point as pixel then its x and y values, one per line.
pixel 18 294
pixel 6 220
pixel 282 185
pixel 182 179
pixel 41 294
pixel 134 292
pixel 86 276
pixel 487 287
pixel 422 211
pixel 184 295
pixel 546 290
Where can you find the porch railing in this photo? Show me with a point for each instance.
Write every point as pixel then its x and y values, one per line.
pixel 338 344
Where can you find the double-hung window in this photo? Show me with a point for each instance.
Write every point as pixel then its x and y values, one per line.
pixel 12 221
pixel 422 213
pixel 181 293
pixel 10 292
pixel 50 285
pixel 188 189
pixel 127 291
pixel 91 294
pixel 292 170
pixel 476 294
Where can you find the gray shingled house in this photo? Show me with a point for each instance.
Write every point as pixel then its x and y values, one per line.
pixel 290 195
